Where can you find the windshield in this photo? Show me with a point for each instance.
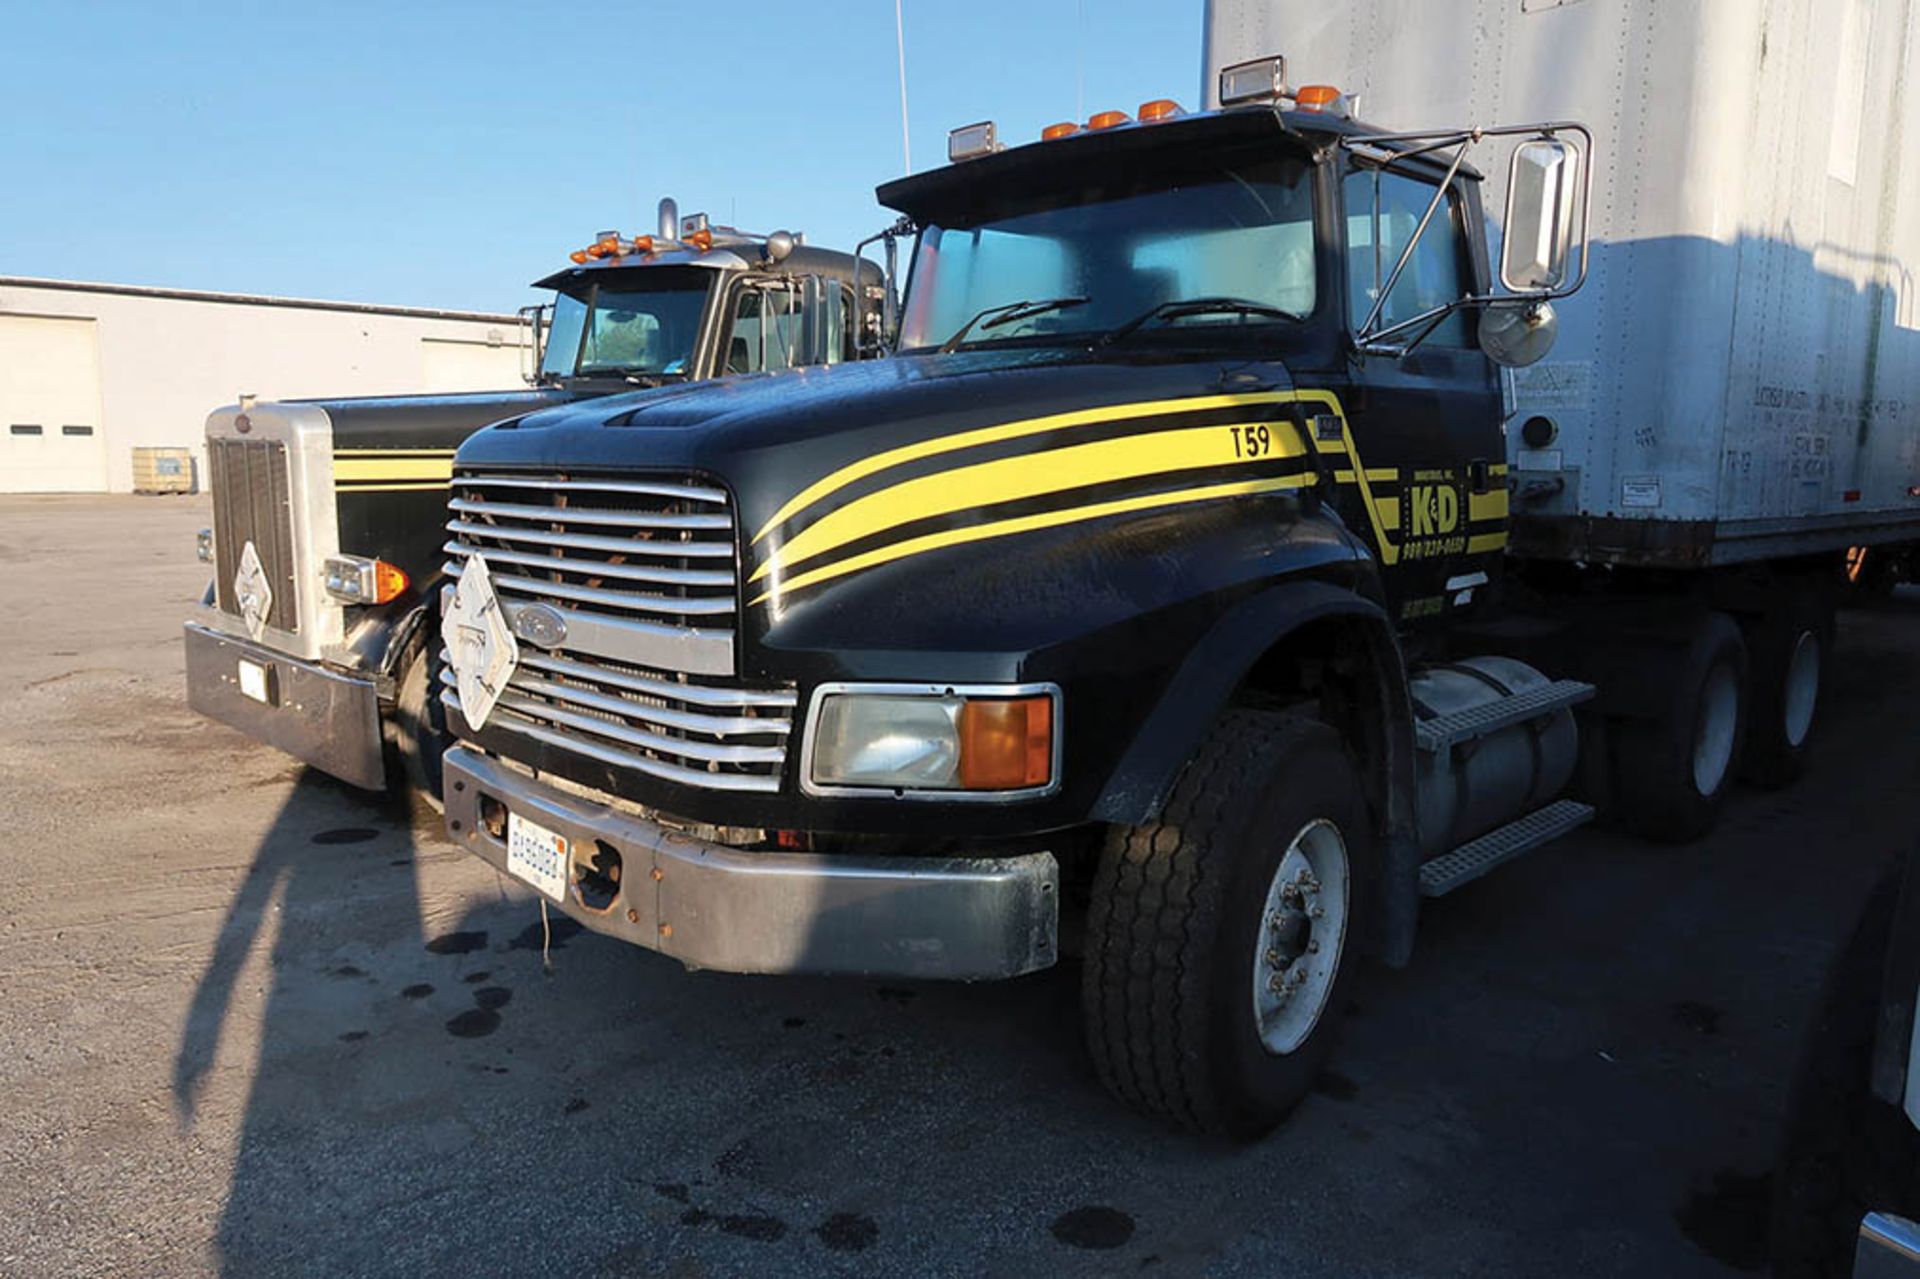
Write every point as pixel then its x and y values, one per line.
pixel 1227 230
pixel 643 324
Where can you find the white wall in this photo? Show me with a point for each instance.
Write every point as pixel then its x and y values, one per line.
pixel 166 362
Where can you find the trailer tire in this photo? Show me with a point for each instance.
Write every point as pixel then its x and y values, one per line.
pixel 1671 772
pixel 1196 916
pixel 418 735
pixel 1843 1151
pixel 1788 649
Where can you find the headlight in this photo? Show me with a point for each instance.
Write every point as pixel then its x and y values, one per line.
pixel 890 739
pixel 354 579
pixel 203 545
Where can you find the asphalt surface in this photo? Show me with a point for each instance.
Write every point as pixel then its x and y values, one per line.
pixel 253 1022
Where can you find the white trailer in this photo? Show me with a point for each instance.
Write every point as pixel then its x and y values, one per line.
pixel 1740 379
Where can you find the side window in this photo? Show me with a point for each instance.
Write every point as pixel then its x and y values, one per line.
pixel 766 331
pixel 1435 275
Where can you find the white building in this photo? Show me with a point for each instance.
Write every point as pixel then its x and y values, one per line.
pixel 89 372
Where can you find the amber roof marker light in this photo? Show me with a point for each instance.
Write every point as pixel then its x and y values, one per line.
pixel 1159 109
pixel 1065 129
pixel 1108 120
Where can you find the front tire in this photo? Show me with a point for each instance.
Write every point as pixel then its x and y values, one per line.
pixel 419 735
pixel 1222 939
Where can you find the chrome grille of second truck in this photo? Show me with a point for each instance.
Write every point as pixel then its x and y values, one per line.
pixel 252 503
pixel 622 592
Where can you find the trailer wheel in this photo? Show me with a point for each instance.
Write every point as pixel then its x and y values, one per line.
pixel 1672 771
pixel 1220 942
pixel 417 732
pixel 1789 651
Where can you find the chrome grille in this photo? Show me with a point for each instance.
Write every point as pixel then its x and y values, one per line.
pixel 251 503
pixel 641 571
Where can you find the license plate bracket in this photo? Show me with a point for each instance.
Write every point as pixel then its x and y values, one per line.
pixel 257 681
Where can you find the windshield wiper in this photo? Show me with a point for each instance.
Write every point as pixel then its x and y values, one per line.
pixel 1183 307
pixel 1007 313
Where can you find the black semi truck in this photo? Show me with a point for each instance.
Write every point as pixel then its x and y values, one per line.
pixel 1159 583
pixel 329 514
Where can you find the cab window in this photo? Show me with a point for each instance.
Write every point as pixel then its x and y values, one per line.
pixel 1435 275
pixel 766 331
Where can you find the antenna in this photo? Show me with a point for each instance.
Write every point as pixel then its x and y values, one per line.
pixel 900 44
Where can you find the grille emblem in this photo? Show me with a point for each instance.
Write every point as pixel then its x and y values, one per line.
pixel 480 648
pixel 252 592
pixel 540 625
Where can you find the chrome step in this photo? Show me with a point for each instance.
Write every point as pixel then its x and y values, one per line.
pixel 1444 732
pixel 1478 856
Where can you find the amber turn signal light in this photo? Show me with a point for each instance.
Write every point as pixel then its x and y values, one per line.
pixel 1006 744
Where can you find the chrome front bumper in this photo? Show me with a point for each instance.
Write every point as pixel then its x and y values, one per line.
pixel 711 906
pixel 329 720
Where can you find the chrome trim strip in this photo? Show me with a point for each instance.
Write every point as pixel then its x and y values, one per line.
pixel 821 692
pixel 602 568
pixel 588 515
pixel 628 600
pixel 680 747
pixel 661 688
pixel 690 721
pixel 514 723
pixel 645 488
pixel 589 542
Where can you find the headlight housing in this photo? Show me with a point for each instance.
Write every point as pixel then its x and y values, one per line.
pixel 355 579
pixel 933 741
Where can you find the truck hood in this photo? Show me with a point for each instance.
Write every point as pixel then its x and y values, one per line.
pixel 802 447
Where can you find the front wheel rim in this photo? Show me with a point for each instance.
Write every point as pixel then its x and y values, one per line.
pixel 1302 936
pixel 1714 732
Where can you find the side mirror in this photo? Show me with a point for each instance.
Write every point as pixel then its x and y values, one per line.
pixel 533 353
pixel 1542 182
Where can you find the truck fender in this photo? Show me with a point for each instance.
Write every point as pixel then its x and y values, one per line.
pixel 1219 665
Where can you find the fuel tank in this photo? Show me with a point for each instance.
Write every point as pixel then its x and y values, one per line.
pixel 1488 781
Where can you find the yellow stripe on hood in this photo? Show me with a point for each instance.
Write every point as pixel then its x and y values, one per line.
pixel 1029 523
pixel 1010 479
pixel 1005 431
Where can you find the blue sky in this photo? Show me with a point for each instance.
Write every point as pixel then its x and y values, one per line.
pixel 446 154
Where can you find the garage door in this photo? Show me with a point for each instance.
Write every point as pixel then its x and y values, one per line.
pixel 453 365
pixel 50 437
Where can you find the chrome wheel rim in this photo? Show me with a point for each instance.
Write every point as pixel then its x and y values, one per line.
pixel 1713 733
pixel 1802 692
pixel 1303 932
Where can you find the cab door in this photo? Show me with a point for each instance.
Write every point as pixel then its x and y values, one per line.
pixel 1426 425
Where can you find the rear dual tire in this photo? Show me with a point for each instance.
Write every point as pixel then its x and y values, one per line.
pixel 1221 941
pixel 1789 649
pixel 1673 770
